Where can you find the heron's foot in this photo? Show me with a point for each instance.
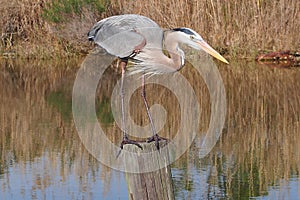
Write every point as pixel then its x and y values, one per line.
pixel 156 138
pixel 125 141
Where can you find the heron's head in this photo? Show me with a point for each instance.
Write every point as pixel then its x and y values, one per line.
pixel 194 40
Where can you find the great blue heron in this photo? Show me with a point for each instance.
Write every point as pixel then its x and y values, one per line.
pixel 139 42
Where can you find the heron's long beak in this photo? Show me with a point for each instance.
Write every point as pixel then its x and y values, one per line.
pixel 203 45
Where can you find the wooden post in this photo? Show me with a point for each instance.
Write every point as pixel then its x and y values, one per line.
pixel 152 185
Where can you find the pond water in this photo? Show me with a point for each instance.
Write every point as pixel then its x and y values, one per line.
pixel 42 157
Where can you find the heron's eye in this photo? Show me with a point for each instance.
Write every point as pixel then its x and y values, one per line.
pixel 192 37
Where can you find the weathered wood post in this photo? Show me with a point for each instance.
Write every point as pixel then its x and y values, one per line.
pixel 156 185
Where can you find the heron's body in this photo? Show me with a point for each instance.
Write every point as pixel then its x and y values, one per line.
pixel 121 35
pixel 139 39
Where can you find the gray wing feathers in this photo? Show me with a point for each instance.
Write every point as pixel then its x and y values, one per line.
pixel 121 44
pixel 119 35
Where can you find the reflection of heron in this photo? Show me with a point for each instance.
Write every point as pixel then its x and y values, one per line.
pixel 139 42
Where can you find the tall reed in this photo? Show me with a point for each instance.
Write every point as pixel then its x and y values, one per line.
pixel 233 27
pixel 242 27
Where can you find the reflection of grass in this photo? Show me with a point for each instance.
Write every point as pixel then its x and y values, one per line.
pixel 63 104
pixel 103 111
pixel 60 101
pixel 259 145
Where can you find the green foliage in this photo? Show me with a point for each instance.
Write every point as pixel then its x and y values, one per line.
pixel 57 10
pixel 104 112
pixel 62 102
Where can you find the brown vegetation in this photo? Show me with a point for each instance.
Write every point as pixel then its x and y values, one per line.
pixel 27 33
pixel 237 26
pixel 233 27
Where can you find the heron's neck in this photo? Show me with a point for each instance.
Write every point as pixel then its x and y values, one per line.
pixel 176 54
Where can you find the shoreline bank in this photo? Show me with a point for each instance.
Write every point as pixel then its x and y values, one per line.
pixel 45 29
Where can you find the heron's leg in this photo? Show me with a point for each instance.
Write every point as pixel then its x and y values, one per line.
pixel 125 140
pixel 123 68
pixel 138 48
pixel 147 106
pixel 155 137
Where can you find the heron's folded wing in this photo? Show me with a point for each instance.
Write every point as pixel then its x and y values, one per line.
pixel 121 44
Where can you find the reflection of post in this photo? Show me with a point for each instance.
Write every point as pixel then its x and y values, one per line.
pixel 151 185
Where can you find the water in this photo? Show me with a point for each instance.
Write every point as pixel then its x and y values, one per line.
pixel 42 156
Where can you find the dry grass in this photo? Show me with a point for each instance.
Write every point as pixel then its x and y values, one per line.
pixel 27 32
pixel 238 26
pixel 233 27
pixel 20 23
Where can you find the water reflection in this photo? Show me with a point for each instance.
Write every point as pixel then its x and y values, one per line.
pixel 42 156
pixel 259 146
